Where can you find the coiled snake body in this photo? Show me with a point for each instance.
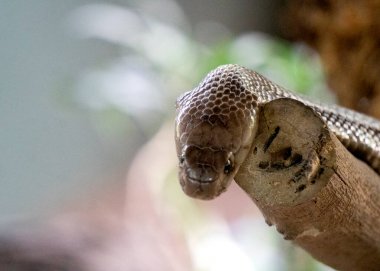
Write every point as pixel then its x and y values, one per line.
pixel 217 121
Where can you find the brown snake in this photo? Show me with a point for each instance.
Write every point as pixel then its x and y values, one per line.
pixel 217 121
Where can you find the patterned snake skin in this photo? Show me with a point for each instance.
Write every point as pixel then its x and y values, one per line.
pixel 216 124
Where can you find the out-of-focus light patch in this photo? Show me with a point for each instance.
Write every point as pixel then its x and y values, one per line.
pixel 210 32
pixel 159 152
pixel 108 22
pixel 131 89
pixel 161 43
pixel 214 249
pixel 166 46
pixel 252 50
pixel 259 241
pixel 166 11
pixel 257 51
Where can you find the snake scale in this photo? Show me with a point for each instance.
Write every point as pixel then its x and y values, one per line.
pixel 216 124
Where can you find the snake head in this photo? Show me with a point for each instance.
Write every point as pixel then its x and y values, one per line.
pixel 205 172
pixel 215 127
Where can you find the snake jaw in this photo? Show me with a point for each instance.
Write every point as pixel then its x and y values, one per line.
pixel 203 184
pixel 203 171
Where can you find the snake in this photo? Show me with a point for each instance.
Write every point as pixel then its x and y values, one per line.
pixel 216 125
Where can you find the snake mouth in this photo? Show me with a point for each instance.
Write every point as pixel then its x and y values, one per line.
pixel 205 182
pixel 202 174
pixel 200 189
pixel 204 185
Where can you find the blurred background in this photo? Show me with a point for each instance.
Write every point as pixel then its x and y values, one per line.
pixel 87 105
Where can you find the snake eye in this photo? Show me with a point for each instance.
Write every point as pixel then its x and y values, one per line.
pixel 228 167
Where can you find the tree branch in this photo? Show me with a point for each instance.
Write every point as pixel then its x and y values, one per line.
pixel 312 188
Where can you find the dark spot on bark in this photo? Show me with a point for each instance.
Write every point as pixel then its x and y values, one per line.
pixel 296 159
pixel 263 164
pixel 271 138
pixel 297 176
pixel 287 152
pixel 283 154
pixel 300 188
pixel 278 165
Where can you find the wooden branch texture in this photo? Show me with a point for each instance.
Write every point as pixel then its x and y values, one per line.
pixel 312 188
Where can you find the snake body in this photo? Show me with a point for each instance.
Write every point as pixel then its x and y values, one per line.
pixel 217 121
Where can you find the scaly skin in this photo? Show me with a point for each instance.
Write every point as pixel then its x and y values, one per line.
pixel 216 124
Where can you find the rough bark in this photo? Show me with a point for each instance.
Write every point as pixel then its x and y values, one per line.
pixel 313 189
